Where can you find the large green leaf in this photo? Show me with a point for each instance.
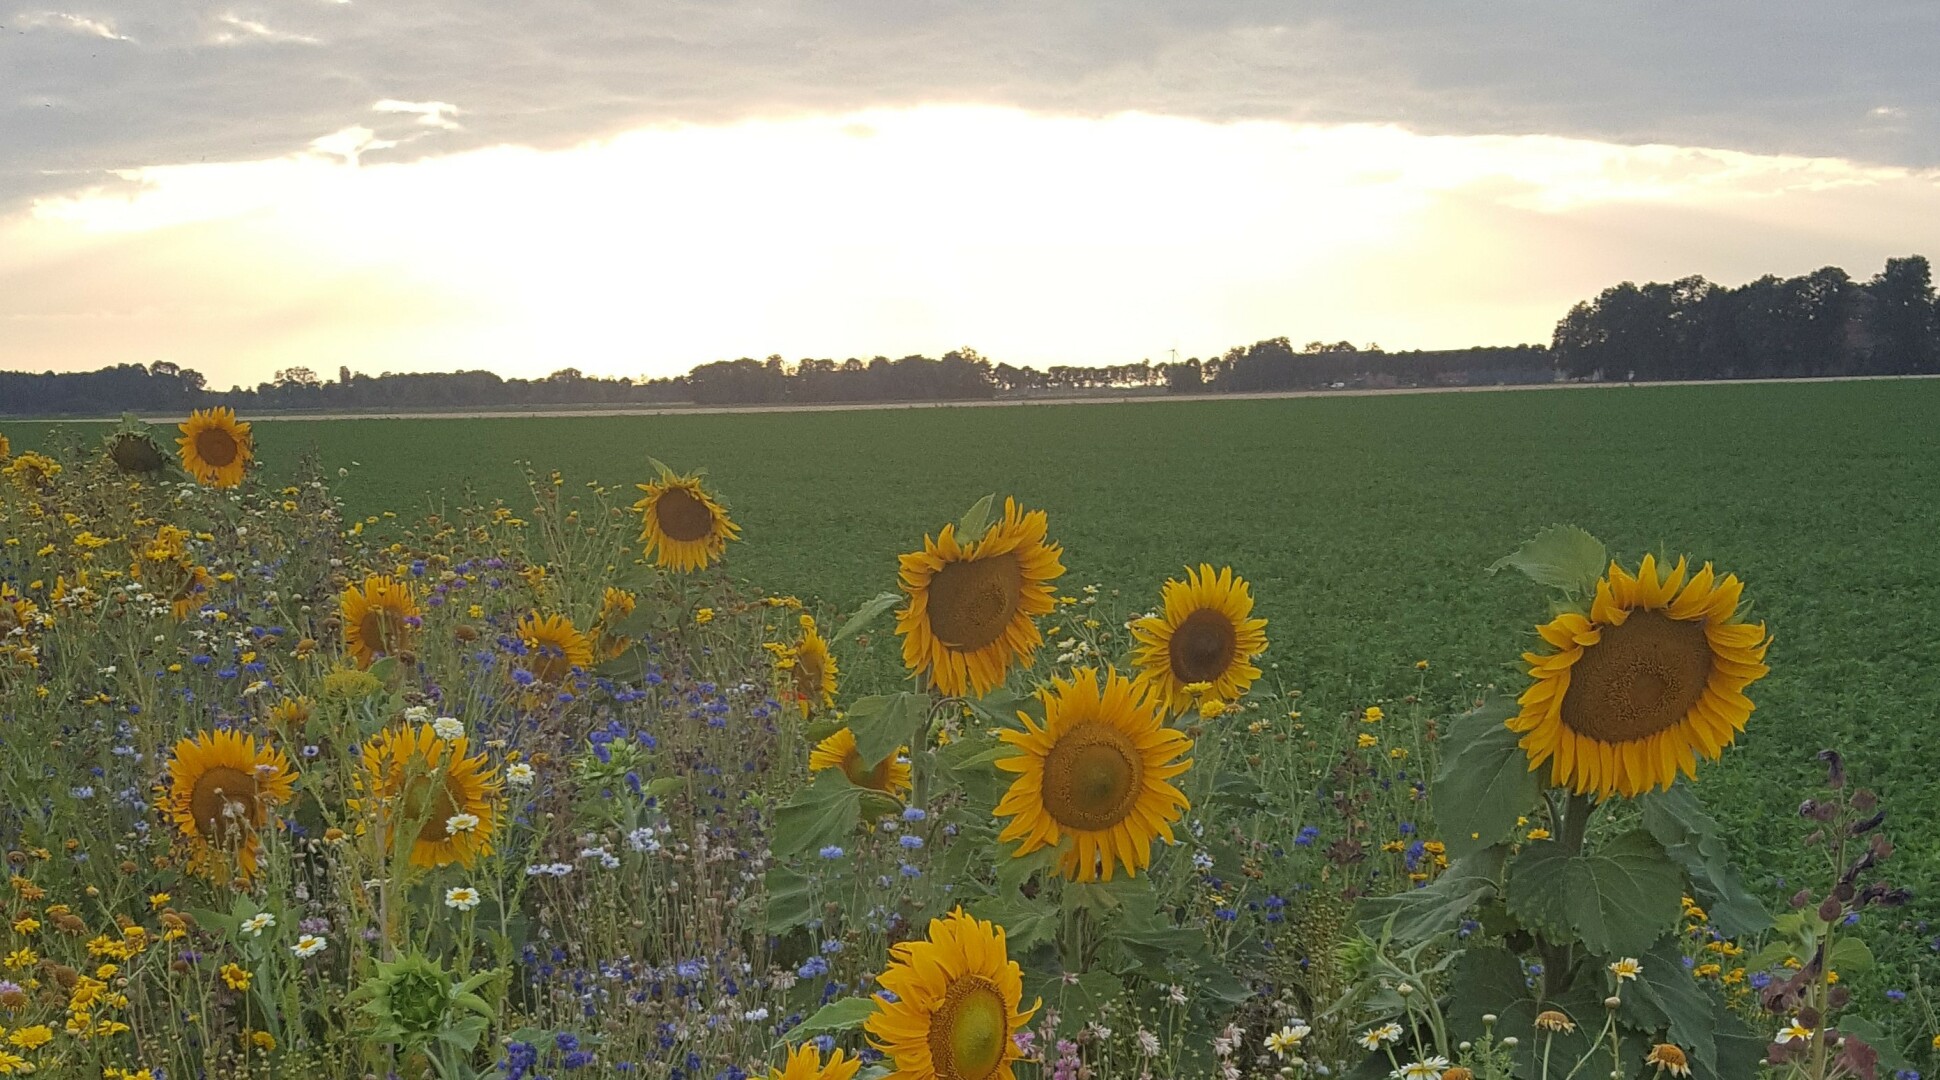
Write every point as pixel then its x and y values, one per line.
pixel 841 1014
pixel 823 813
pixel 973 523
pixel 1489 981
pixel 1666 1001
pixel 1484 784
pixel 790 899
pixel 1437 907
pixel 866 614
pixel 1025 923
pixel 1561 556
pixel 886 723
pixel 1618 899
pixel 1693 838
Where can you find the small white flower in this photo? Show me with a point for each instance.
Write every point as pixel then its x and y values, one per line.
pixel 1626 969
pixel 461 823
pixel 448 728
pixel 755 1015
pixel 518 774
pixel 1793 1032
pixel 461 898
pixel 1148 1043
pixel 1372 1038
pixel 1429 1068
pixel 308 945
pixel 257 923
pixel 417 714
pixel 1287 1040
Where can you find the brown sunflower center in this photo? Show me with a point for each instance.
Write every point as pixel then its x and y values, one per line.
pixel 371 628
pixel 222 799
pixel 1092 777
pixel 973 602
pixel 549 662
pixel 682 516
pixel 968 1030
pixel 808 675
pixel 1203 646
pixel 216 447
pixel 864 776
pixel 132 453
pixel 1638 679
pixel 431 803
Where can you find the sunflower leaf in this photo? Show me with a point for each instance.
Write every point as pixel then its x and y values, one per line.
pixel 1618 899
pixel 1485 785
pixel 1438 907
pixel 1668 1000
pixel 1561 556
pixel 820 814
pixel 841 1014
pixel 866 614
pixel 1692 837
pixel 885 723
pixel 975 520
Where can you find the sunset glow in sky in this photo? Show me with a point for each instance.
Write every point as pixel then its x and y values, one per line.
pixel 408 237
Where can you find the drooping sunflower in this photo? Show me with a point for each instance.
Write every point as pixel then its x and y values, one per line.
pixel 446 802
pixel 955 1005
pixel 1099 770
pixel 216 448
pixel 615 606
pixel 972 606
pixel 681 524
pixel 554 647
pixel 133 449
pixel 805 1063
pixel 221 786
pixel 815 672
pixel 381 618
pixel 1205 635
pixel 891 775
pixel 1652 679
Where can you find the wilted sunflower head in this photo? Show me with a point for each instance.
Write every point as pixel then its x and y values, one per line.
pixel 215 447
pixel 1645 684
pixel 1670 1059
pixel 136 452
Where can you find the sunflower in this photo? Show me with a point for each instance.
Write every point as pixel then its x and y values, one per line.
pixel 952 1004
pixel 380 618
pixel 1652 679
pixel 221 786
pixel 839 751
pixel 6 449
pixel 972 605
pixel 682 523
pixel 814 669
pixel 615 606
pixel 216 447
pixel 429 788
pixel 1098 770
pixel 291 715
pixel 1204 636
pixel 805 1063
pixel 554 647
pixel 134 452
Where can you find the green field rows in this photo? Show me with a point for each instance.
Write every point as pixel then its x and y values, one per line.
pixel 1364 523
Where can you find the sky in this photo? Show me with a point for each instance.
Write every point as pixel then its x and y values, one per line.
pixel 633 189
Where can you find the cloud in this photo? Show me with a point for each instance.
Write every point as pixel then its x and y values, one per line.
pixel 1036 239
pixel 241 31
pixel 60 20
pixel 435 114
pixel 204 84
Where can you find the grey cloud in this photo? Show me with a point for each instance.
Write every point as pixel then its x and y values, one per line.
pixel 190 81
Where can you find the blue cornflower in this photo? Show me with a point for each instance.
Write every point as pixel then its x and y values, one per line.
pixel 832 852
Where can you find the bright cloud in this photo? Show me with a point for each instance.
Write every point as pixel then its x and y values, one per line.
pixel 60 20
pixel 435 114
pixel 1035 239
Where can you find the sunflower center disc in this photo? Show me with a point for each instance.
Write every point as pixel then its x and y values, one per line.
pixel 1203 647
pixel 442 807
pixel 968 1031
pixel 550 664
pixel 215 446
pixel 808 676
pixel 861 775
pixel 220 796
pixel 371 629
pixel 1639 679
pixel 682 516
pixel 972 602
pixel 1092 777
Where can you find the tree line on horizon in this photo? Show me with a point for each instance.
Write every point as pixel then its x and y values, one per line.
pixel 1820 324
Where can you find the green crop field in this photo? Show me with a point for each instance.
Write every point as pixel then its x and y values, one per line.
pixel 1364 523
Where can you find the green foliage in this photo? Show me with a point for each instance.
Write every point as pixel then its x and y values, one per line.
pixel 1616 899
pixel 412 1001
pixel 825 811
pixel 886 722
pixel 1485 784
pixel 1438 907
pixel 1694 840
pixel 866 614
pixel 1561 557
pixel 842 1014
